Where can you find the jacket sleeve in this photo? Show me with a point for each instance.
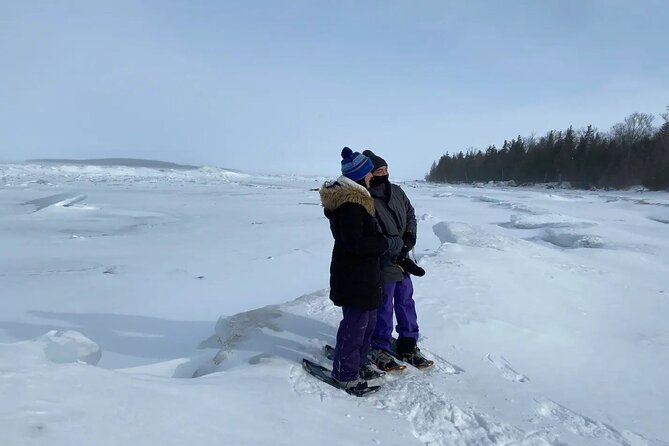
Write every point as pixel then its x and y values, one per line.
pixel 351 233
pixel 412 225
pixel 395 244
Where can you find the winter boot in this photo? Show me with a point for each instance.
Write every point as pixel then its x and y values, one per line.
pixel 369 372
pixel 408 351
pixel 401 346
pixel 384 360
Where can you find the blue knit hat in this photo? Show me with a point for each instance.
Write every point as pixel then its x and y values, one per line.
pixel 355 165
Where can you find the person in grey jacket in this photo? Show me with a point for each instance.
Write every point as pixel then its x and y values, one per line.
pixel 355 269
pixel 397 218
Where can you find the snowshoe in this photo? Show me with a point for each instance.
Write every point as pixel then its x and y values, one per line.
pixel 357 387
pixel 367 371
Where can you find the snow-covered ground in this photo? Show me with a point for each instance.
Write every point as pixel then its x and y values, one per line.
pixel 160 307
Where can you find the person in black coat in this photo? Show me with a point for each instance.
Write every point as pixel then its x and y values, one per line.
pixel 355 269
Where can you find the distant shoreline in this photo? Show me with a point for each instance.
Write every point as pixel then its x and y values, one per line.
pixel 125 162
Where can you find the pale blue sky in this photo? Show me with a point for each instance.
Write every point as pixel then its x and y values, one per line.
pixel 282 86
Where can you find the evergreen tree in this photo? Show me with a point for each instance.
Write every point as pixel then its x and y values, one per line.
pixel 633 152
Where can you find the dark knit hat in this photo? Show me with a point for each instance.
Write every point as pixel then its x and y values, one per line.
pixel 377 161
pixel 355 165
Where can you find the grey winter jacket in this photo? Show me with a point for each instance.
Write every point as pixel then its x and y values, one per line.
pixel 396 216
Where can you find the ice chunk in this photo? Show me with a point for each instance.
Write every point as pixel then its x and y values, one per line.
pixel 520 221
pixel 64 200
pixel 572 240
pixel 64 346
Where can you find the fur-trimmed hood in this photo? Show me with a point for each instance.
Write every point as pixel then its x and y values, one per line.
pixel 344 190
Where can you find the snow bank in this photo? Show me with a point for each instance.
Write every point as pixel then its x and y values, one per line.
pixel 49 174
pixel 44 403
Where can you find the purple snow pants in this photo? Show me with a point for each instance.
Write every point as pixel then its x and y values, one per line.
pixel 353 339
pixel 397 295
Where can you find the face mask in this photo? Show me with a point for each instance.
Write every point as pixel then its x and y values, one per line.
pixel 378 181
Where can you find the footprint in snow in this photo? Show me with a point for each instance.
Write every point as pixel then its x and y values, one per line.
pixel 507 371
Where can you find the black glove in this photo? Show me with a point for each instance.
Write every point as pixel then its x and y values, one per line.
pixel 409 240
pixel 409 266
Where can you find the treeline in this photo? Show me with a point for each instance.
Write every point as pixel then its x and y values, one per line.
pixel 633 152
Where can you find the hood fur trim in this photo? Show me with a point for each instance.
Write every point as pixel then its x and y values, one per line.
pixel 344 190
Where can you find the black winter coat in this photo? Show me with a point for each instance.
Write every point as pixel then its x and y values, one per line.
pixel 355 269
